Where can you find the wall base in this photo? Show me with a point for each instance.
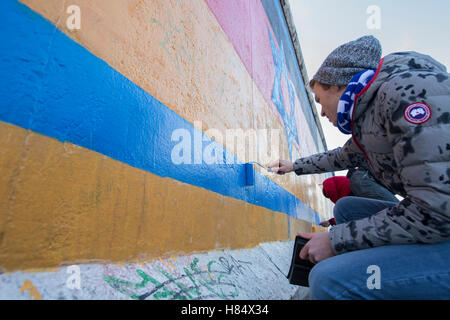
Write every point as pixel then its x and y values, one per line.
pixel 249 274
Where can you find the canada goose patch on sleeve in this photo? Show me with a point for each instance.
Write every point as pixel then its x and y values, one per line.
pixel 417 113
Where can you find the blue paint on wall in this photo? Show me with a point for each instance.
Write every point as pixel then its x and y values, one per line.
pixel 54 86
pixel 278 23
pixel 277 96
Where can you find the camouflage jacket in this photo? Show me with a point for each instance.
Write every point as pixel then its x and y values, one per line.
pixel 408 147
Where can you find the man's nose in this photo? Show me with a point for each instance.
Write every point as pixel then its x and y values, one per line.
pixel 322 113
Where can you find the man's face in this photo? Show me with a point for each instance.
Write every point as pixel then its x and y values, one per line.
pixel 329 100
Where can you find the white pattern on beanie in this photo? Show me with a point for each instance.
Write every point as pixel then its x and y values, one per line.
pixel 349 59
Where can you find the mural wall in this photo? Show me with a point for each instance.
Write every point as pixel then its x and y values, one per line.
pixel 125 126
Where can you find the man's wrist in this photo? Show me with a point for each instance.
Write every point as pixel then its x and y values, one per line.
pixel 292 167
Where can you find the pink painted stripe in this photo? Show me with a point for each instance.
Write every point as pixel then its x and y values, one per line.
pixel 246 24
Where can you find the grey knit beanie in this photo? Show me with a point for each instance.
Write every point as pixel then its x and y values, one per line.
pixel 349 59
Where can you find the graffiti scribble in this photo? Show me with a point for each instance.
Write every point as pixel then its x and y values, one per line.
pixel 197 282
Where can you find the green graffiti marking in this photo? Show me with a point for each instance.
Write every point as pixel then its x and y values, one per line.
pixel 213 279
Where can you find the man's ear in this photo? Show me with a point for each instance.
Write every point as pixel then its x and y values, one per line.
pixel 338 90
pixel 335 89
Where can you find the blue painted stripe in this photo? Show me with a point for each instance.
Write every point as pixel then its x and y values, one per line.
pixel 54 86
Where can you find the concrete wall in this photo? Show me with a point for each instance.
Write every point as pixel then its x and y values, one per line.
pixel 245 274
pixel 112 138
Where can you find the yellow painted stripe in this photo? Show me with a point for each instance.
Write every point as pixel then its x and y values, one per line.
pixel 178 52
pixel 62 204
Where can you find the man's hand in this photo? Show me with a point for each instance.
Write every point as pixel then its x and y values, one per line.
pixel 325 223
pixel 281 166
pixel 318 248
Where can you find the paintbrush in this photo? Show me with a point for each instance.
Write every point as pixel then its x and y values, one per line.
pixel 250 172
pixel 268 169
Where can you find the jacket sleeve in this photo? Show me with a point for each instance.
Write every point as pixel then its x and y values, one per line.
pixel 422 153
pixel 342 158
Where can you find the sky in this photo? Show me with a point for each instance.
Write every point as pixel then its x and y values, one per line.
pixel 403 25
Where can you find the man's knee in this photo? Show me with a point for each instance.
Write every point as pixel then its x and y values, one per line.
pixel 340 211
pixel 321 281
pixel 338 277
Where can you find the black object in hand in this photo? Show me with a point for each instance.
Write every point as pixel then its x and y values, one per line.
pixel 300 268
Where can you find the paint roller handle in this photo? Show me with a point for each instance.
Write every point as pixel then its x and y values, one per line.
pixel 281 166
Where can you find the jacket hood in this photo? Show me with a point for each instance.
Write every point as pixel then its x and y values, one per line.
pixel 397 64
